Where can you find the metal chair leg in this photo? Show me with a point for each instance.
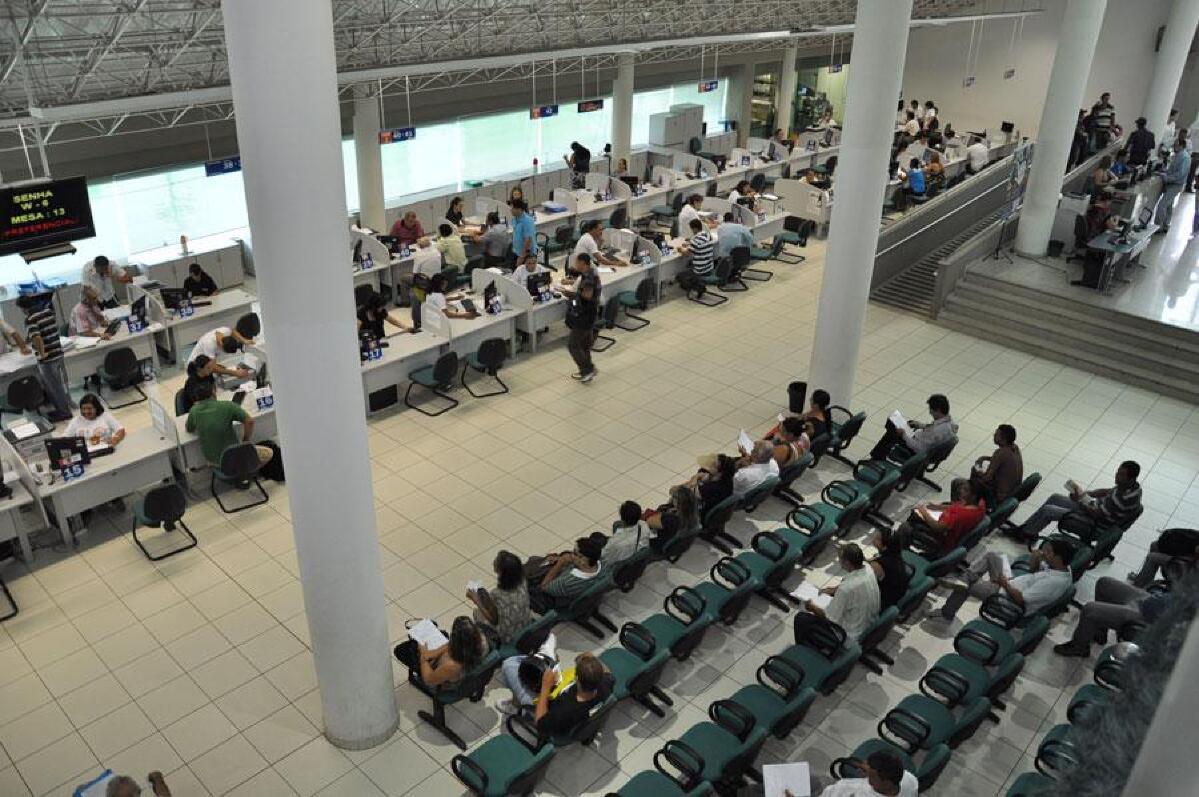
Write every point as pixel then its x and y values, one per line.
pixel 194 542
pixel 435 392
pixel 755 274
pixel 608 343
pixel 11 602
pixel 254 480
pixel 437 720
pixel 503 388
pixel 717 298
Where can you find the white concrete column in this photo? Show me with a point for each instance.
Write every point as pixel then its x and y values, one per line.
pixel 880 45
pixel 788 79
pixel 289 134
pixel 369 155
pixel 1171 61
pixel 1079 33
pixel 740 100
pixel 622 107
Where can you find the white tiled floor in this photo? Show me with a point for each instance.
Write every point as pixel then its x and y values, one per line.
pixel 199 666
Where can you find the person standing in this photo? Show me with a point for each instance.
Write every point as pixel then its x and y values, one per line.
pixel 1140 143
pixel 1173 183
pixel 1079 145
pixel 579 162
pixel 581 315
pixel 1187 134
pixel 524 233
pixel 1103 114
pixel 98 274
pixel 1171 130
pixel 42 330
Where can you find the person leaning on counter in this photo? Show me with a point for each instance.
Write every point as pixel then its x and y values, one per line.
pixel 221 340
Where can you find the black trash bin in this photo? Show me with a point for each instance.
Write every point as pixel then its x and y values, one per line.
pixel 797 393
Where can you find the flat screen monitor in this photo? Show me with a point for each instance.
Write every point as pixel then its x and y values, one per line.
pixel 138 308
pixel 37 215
pixel 538 284
pixel 630 181
pixel 172 297
pixel 65 451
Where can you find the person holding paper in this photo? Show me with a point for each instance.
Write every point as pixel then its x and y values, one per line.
pixel 506 608
pixel 792 441
pixel 756 466
pixel 948 523
pixel 1047 579
pixel 94 425
pixel 87 317
pixel 1109 507
pixel 915 435
pixel 446 664
pixel 856 599
pixel 885 777
pixel 560 708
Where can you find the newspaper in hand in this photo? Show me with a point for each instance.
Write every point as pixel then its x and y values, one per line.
pixel 807 591
pixel 744 442
pixel 897 420
pixel 427 634
pixel 778 779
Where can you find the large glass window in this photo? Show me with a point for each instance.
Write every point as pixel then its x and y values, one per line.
pixel 136 212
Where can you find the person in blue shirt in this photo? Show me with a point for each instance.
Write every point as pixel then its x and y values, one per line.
pixel 914 179
pixel 524 233
pixel 730 235
pixel 1172 184
pixel 1121 168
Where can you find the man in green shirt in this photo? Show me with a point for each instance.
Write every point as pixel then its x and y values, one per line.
pixel 212 421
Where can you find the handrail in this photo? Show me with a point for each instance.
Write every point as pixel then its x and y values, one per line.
pixel 940 219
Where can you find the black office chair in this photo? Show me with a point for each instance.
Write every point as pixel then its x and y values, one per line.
pixel 742 257
pixel 638 299
pixel 12 602
pixel 487 360
pixel 181 406
pixel 1081 236
pixel 24 395
pixel 239 466
pixel 606 321
pixel 163 507
pixel 619 219
pixel 121 370
pixel 249 325
pixel 758 183
pixel 563 240
pixel 437 378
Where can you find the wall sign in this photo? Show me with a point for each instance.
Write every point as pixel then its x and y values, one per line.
pixel 708 85
pixel 591 105
pixel 222 166
pixel 543 111
pixel 396 134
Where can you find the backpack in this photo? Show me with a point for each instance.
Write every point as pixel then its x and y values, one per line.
pixel 273 470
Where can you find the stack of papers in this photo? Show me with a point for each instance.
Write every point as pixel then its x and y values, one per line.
pixel 25 430
pixel 84 342
pixel 898 420
pixel 777 779
pixel 808 592
pixel 427 634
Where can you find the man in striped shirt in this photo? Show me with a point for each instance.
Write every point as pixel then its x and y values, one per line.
pixel 1111 507
pixel 42 328
pixel 701 249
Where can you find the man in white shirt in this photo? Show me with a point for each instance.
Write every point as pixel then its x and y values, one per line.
pixel 760 467
pixel 885 777
pixel 911 128
pixel 977 156
pixel 218 342
pixel 98 274
pixel 856 599
pixel 1047 579
pixel 628 537
pixel 426 259
pixel 589 243
pixel 689 211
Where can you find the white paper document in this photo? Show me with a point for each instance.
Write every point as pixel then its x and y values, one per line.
pixel 473 586
pixel 777 779
pixel 427 634
pixel 935 514
pixel 24 430
pixel 85 342
pixel 745 442
pixel 808 591
pixel 1007 566
pixel 898 420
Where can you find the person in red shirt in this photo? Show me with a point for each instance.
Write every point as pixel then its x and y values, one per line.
pixel 407 230
pixel 948 523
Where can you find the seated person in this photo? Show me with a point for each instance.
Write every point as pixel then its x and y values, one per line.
pixel 689 212
pixel 1170 544
pixel 568 575
pixel 1120 167
pixel 817 415
pixel 1047 579
pixel 95 425
pixel 884 777
pixel 913 179
pixel 730 235
pixel 701 250
pixel 743 191
pixel 622 168
pixel 1107 507
pixel 1116 603
pixel 495 240
pixel 675 517
pixel 200 371
pixel 919 436
pixel 791 441
pixel 714 481
pixel 1102 177
pixel 212 344
pixel 87 318
pixel 934 172
pixel 754 467
pixel 445 666
pixel 955 519
pixel 11 339
pixel 998 476
pixel 1099 220
pixel 506 608
pixel 198 283
pixel 456 214
pixel 525 270
pixel 212 421
pixel 407 229
pixel 888 566
pixel 437 302
pixel 589 244
pixel 449 243
pixel 856 599
pixel 559 712
pixel 373 313
pixel 629 535
pixel 125 786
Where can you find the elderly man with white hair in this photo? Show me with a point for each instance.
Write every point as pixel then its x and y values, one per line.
pixel 754 468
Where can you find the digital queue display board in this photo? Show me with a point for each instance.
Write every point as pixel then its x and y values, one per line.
pixel 37 215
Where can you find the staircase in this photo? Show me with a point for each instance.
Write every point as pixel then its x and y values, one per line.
pixel 913 290
pixel 1127 348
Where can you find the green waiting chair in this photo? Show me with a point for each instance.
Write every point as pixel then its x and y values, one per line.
pixel 940 714
pixel 507 763
pixel 873 637
pixel 822 652
pixel 163 507
pixel 927 768
pixel 779 700
pixel 788 474
pixel 681 624
pixel 437 378
pixel 727 744
pixel 728 592
pixel 470 688
pixel 636 667
pixel 638 299
pixel 681 780
pixel 713 522
pixel 770 562
pixel 843 432
pixel 584 610
pixel 871 481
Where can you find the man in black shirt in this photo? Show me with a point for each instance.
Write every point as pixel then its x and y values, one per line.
pixel 1140 144
pixel 581 315
pixel 572 707
pixel 198 283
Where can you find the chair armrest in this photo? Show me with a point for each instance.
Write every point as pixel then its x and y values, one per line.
pixel 460 765
pixel 528 735
pixel 904 729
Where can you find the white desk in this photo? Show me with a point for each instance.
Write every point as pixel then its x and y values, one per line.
pixel 226 308
pixel 373 275
pixel 10 518
pixel 467 333
pixel 83 362
pixel 405 353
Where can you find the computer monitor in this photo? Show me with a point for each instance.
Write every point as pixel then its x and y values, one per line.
pixel 67 451
pixel 828 137
pixel 491 299
pixel 1125 229
pixel 745 160
pixel 261 379
pixel 138 308
pixel 636 250
pixel 538 284
pixel 631 181
pixel 172 297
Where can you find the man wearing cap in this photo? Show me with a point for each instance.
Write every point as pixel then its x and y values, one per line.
pixel 98 275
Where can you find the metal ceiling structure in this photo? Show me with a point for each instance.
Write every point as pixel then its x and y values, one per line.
pixel 76 69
